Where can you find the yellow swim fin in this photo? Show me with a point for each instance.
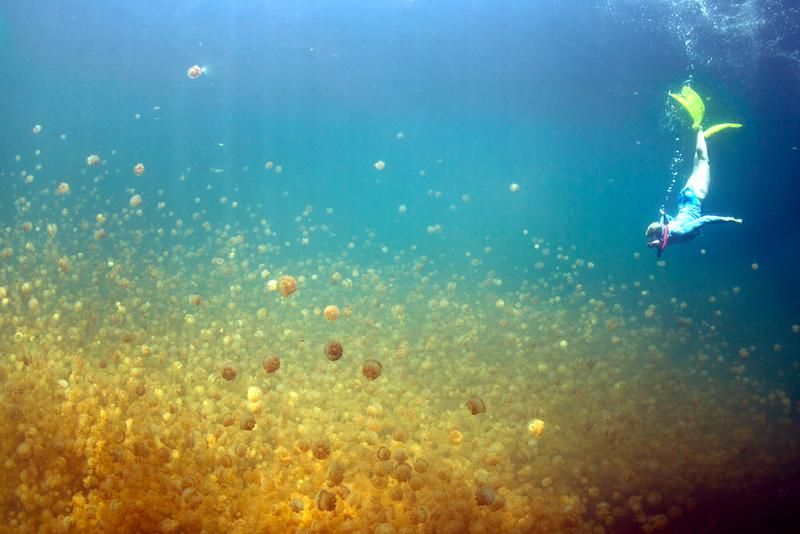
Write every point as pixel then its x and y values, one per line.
pixel 692 103
pixel 719 127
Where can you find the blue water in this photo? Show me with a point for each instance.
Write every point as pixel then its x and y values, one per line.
pixel 567 99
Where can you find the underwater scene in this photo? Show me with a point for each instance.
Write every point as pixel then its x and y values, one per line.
pixel 399 266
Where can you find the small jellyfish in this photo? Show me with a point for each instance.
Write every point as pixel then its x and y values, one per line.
pixel 331 312
pixel 195 71
pixel 380 165
pixel 485 496
pixel 93 160
pixel 513 187
pixel 271 364
pixel 333 350
pixel 247 422
pixel 63 189
pixel 287 285
pixel 336 472
pixel 536 427
pixel 37 129
pixel 403 472
pixel 476 405
pixel 383 454
pixel 321 449
pixel 402 209
pixel 135 201
pixel 372 369
pixel 229 372
pixel 138 169
pixel 325 500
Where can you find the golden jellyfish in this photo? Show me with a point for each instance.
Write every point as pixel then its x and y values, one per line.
pixel 271 364
pixel 476 405
pixel 63 189
pixel 93 160
pixel 247 422
pixel 195 299
pixel 331 312
pixel 135 201
pixel 380 165
pixel 321 449
pixel 536 427
pixel 138 169
pixel 325 500
pixel 228 372
pixel 287 285
pixel 485 496
pixel 372 369
pixel 403 472
pixel 333 350
pixel 195 71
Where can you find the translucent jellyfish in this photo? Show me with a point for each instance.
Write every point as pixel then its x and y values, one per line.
pixel 372 369
pixel 325 500
pixel 63 189
pixel 194 72
pixel 135 201
pixel 247 422
pixel 228 372
pixel 37 129
pixel 331 312
pixel 380 165
pixel 138 169
pixel 321 449
pixel 536 427
pixel 476 405
pixel 513 187
pixel 93 160
pixel 485 496
pixel 271 364
pixel 333 350
pixel 401 209
pixel 287 285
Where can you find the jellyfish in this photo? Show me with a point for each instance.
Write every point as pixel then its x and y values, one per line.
pixel 271 364
pixel 372 369
pixel 333 350
pixel 476 405
pixel 138 169
pixel 287 285
pixel 195 71
pixel 228 372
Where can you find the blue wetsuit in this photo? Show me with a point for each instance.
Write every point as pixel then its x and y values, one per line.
pixel 686 225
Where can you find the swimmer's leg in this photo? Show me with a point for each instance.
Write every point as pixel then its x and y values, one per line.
pixel 701 175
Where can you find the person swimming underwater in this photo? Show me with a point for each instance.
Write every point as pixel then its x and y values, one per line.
pixel 686 225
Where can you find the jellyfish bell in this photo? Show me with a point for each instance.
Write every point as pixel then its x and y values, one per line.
pixel 372 369
pixel 476 405
pixel 195 71
pixel 138 169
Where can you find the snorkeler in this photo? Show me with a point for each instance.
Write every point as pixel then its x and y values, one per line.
pixel 686 225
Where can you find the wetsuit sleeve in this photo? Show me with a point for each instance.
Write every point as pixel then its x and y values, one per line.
pixel 708 219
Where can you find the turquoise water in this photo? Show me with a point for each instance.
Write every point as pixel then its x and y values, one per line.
pixel 468 185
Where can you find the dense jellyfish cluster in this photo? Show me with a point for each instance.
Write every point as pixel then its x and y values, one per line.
pixel 155 377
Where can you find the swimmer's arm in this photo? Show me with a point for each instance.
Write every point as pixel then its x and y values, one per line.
pixel 710 219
